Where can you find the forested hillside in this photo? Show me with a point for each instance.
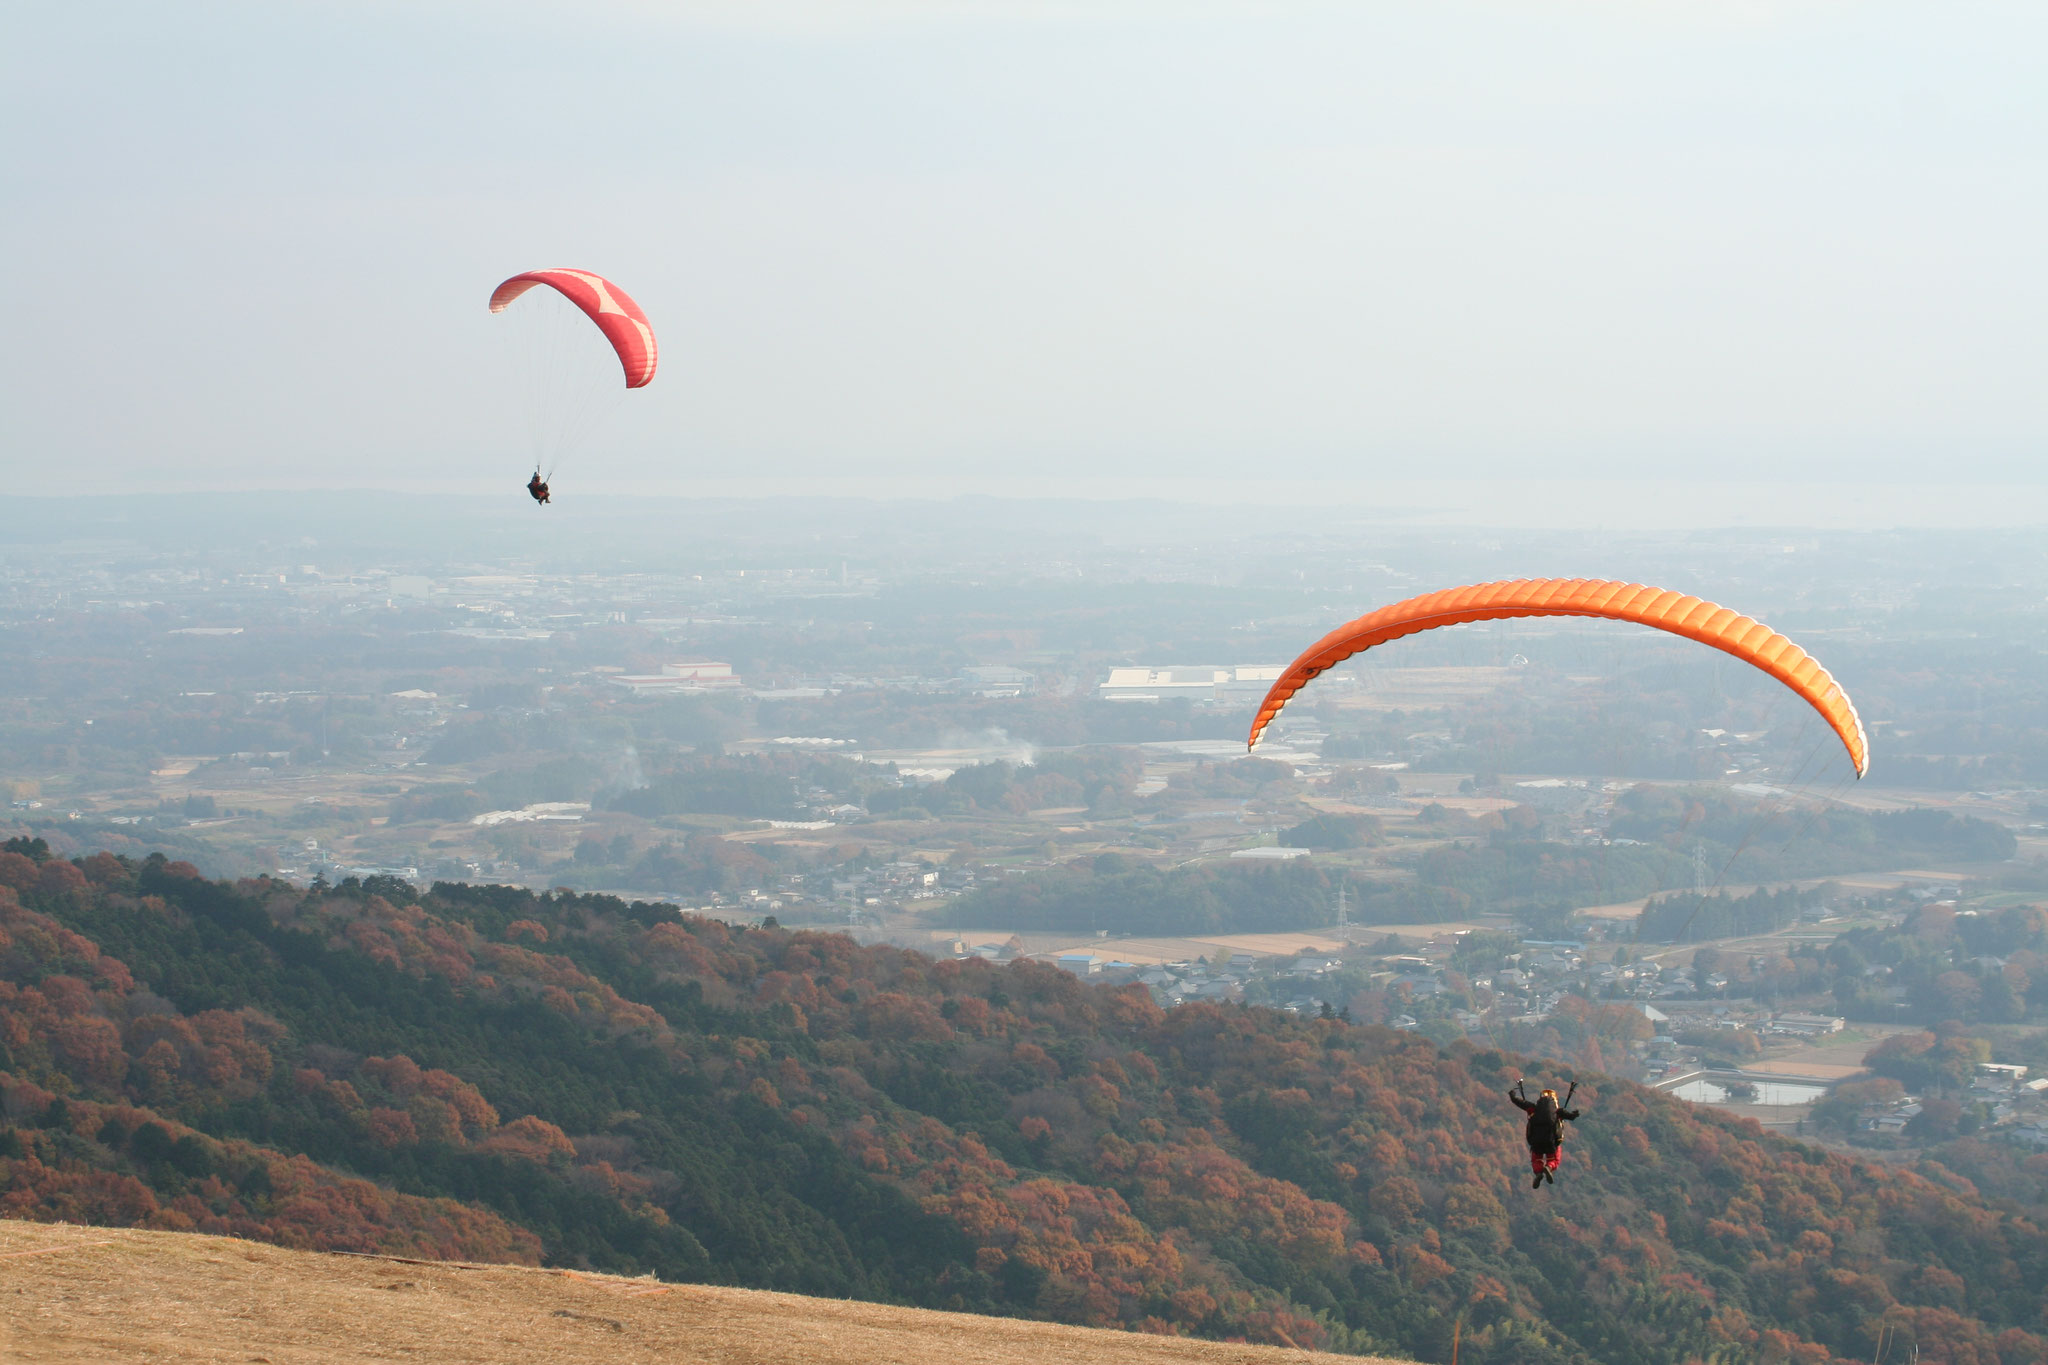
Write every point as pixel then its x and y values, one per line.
pixel 484 1072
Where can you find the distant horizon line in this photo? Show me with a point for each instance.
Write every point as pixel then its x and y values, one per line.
pixel 1641 505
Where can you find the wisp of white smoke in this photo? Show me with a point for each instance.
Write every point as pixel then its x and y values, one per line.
pixel 993 745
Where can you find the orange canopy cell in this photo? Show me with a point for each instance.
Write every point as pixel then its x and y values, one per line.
pixel 1677 613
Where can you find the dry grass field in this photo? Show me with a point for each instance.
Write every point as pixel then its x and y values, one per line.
pixel 73 1295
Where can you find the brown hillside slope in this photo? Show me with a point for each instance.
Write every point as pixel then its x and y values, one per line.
pixel 71 1294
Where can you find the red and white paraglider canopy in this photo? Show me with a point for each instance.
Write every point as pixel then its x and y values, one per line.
pixel 607 305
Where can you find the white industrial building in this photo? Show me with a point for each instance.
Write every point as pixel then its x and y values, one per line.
pixel 1243 682
pixel 679 677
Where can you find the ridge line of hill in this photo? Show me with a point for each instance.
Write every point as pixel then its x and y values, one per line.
pixel 182 1298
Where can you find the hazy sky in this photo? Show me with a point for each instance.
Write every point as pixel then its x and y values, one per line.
pixel 1098 247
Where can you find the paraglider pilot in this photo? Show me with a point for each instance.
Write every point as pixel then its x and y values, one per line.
pixel 1545 1129
pixel 538 487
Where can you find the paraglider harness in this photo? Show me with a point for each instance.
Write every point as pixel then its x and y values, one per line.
pixel 1545 1129
pixel 538 487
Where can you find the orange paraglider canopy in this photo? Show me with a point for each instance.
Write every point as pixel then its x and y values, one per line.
pixel 1677 613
